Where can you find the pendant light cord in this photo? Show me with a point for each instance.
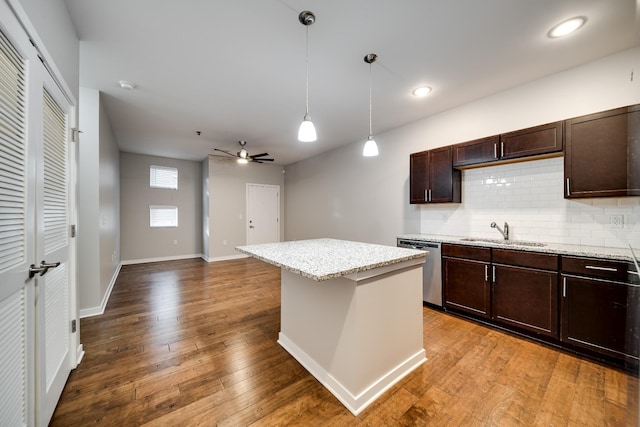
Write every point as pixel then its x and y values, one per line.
pixel 306 63
pixel 370 103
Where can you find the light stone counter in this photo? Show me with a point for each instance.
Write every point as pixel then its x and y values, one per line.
pixel 325 259
pixel 359 331
pixel 623 254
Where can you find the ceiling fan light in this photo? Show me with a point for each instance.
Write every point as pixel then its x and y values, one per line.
pixel 243 161
pixel 243 153
pixel 307 131
pixel 370 147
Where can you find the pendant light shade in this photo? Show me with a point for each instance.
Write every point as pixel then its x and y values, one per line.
pixel 370 147
pixel 307 131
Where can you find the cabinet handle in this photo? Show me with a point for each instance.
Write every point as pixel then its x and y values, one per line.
pixel 568 188
pixel 495 150
pixel 595 267
pixel 501 149
pixel 429 194
pixel 486 273
pixel 426 195
pixel 494 273
pixel 564 287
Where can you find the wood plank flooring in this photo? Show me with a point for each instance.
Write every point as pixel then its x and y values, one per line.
pixel 187 343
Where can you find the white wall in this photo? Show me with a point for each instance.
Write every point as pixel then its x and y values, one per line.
pixel 99 205
pixel 140 242
pixel 227 185
pixel 341 194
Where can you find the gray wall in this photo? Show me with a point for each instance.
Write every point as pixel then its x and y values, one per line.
pixel 99 205
pixel 139 242
pixel 227 207
pixel 341 194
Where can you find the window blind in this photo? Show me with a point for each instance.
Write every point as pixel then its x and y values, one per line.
pixel 163 216
pixel 163 177
pixel 12 156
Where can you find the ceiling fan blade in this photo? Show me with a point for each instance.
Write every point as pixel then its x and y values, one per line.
pixel 259 155
pixel 226 152
pixel 262 160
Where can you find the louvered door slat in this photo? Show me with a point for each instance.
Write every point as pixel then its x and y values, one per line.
pixel 12 368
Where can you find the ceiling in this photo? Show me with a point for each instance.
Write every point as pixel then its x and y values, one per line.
pixel 236 69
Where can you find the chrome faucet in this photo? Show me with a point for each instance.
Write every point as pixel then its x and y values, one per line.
pixel 504 233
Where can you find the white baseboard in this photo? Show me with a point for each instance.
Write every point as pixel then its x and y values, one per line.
pixel 224 258
pixel 354 403
pixel 79 354
pixel 97 311
pixel 160 259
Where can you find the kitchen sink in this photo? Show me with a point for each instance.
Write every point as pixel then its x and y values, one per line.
pixel 504 242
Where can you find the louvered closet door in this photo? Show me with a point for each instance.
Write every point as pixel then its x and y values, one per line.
pixel 17 292
pixel 52 246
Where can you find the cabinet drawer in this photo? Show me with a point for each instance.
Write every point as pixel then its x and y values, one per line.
pixel 607 269
pixel 468 252
pixel 526 259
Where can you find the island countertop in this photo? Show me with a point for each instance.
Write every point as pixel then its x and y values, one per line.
pixel 325 259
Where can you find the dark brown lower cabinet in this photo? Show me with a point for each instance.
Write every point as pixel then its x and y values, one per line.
pixel 467 286
pixel 601 315
pixel 526 298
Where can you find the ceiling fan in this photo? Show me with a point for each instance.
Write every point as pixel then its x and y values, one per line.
pixel 243 155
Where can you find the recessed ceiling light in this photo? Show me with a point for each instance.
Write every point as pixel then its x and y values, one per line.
pixel 567 27
pixel 421 91
pixel 126 85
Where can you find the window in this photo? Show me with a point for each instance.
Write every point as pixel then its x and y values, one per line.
pixel 163 177
pixel 163 216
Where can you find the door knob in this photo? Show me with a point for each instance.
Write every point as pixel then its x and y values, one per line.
pixel 33 270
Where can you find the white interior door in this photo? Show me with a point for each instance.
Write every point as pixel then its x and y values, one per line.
pixel 263 214
pixel 35 356
pixel 17 234
pixel 53 325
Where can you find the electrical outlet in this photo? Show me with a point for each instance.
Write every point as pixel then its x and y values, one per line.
pixel 224 242
pixel 617 221
pixel 175 242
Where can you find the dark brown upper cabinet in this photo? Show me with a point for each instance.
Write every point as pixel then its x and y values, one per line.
pixel 432 178
pixel 602 154
pixel 538 141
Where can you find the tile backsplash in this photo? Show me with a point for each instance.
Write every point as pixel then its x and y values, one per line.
pixel 529 196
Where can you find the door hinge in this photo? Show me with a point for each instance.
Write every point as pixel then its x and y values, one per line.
pixel 75 134
pixel 73 326
pixel 73 230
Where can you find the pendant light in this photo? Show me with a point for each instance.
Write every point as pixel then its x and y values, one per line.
pixel 370 147
pixel 307 132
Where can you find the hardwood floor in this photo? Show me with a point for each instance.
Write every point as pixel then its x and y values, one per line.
pixel 185 343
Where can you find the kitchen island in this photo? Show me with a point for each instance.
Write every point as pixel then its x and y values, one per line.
pixel 351 313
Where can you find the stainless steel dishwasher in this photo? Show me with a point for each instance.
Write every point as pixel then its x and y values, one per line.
pixel 432 270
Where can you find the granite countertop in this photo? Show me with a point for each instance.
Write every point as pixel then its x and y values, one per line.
pixel 325 259
pixel 623 254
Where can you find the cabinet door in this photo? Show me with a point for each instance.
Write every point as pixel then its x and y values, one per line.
pixel 475 152
pixel 535 141
pixel 600 315
pixel 603 153
pixel 466 286
pixel 444 181
pixel 418 177
pixel 526 298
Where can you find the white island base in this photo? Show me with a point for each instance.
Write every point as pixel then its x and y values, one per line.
pixel 358 334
